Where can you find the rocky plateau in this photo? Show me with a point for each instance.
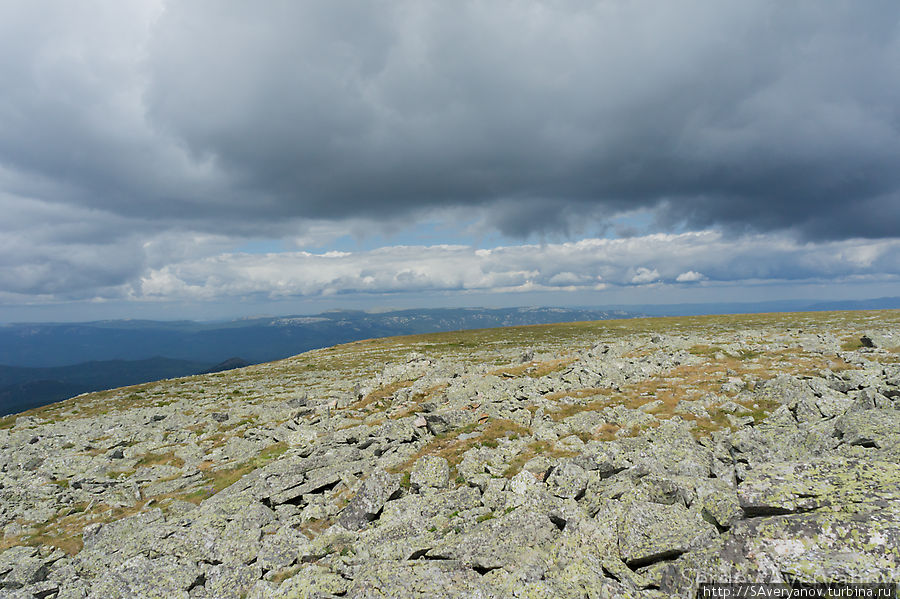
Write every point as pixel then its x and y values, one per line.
pixel 631 458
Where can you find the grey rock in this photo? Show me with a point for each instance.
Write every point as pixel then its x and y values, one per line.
pixel 649 532
pixel 310 582
pixel 694 408
pixel 230 581
pixel 718 502
pixel 21 566
pixel 442 422
pixel 430 472
pixel 872 339
pixel 420 580
pixel 785 487
pixel 162 578
pixel 849 545
pixel 436 505
pixel 280 549
pixel 861 543
pixel 498 541
pixel 567 480
pixel 114 543
pixel 876 428
pixel 376 490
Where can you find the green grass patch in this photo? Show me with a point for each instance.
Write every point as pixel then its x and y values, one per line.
pixel 160 459
pixel 534 449
pixel 216 480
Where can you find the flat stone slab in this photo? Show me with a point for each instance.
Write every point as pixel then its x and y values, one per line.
pixel 649 532
pixel 786 487
pixel 495 543
pixel 861 543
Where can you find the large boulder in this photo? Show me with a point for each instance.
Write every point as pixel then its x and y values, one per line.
pixel 650 532
pixel 419 580
pixel 430 472
pixel 785 487
pixel 165 577
pixel 380 487
pixel 496 542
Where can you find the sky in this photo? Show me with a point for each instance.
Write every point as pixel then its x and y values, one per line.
pixel 191 159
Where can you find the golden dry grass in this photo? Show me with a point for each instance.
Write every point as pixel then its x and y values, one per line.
pixel 450 447
pixel 534 449
pixel 378 396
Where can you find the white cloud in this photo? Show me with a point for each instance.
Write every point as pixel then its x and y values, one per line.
pixel 573 266
pixel 644 275
pixel 689 276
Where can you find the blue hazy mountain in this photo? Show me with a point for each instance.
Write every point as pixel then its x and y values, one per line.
pixel 47 362
pixel 22 387
pixel 254 339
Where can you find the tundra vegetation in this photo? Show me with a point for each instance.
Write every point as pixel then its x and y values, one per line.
pixel 629 458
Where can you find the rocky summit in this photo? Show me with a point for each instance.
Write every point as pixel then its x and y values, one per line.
pixel 632 458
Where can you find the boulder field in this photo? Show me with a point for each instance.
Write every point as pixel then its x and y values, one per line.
pixel 612 459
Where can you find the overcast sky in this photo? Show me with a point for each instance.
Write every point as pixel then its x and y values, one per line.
pixel 188 158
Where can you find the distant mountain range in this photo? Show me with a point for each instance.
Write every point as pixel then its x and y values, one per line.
pixel 882 303
pixel 47 362
pixel 253 339
pixel 22 388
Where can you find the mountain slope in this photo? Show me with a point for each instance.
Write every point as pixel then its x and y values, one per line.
pixel 23 388
pixel 255 340
pixel 621 458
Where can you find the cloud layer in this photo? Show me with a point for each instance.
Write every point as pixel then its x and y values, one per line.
pixel 141 142
pixel 764 114
pixel 586 265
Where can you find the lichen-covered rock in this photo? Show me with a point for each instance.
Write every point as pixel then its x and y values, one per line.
pixel 430 472
pixel 441 422
pixel 165 577
pixel 110 544
pixel 784 487
pixel 309 582
pixel 498 541
pixel 412 525
pixel 567 480
pixel 280 549
pixel 650 532
pixel 21 566
pixel 380 487
pixel 861 542
pixel 718 502
pixel 231 581
pixel 664 488
pixel 420 580
pixel 782 438
pixel 876 428
pixel 693 408
pixel 671 448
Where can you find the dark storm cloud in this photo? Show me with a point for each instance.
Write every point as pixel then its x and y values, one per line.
pixel 139 136
pixel 768 115
pixel 764 114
